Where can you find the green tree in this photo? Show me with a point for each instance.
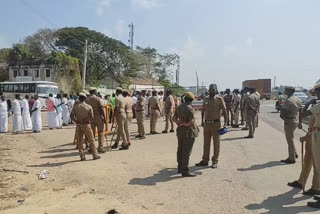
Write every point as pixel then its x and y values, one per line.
pixel 4 66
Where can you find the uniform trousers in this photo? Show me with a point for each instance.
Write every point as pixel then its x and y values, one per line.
pixel 121 119
pixel 251 116
pixel 236 116
pixel 85 129
pixel 229 115
pixel 185 144
pixel 98 124
pixel 140 121
pixel 155 114
pixel 169 116
pixel 289 127
pixel 127 126
pixel 316 157
pixel 211 131
pixel 308 162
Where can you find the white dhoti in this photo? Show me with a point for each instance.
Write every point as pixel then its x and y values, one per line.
pixel 17 123
pixel 59 121
pixel 52 119
pixel 36 122
pixel 4 122
pixel 65 115
pixel 27 124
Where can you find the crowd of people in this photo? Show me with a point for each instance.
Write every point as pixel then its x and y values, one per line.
pixel 88 112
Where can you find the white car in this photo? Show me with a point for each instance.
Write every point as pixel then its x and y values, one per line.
pixel 302 96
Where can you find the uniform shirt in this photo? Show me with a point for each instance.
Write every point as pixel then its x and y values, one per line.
pixel 154 102
pixel 169 104
pixel 252 102
pixel 236 100
pixel 129 104
pixel 290 108
pixel 95 103
pixel 82 113
pixel 258 94
pixel 212 107
pixel 50 102
pixel 316 112
pixel 141 103
pixel 120 103
pixel 185 113
pixel 228 100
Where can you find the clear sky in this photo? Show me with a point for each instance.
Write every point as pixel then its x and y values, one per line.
pixel 225 41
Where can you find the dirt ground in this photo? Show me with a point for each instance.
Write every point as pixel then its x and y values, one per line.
pixel 144 179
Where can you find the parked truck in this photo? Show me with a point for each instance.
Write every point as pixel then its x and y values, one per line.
pixel 263 86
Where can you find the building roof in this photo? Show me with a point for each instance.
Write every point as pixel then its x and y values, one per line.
pixel 145 81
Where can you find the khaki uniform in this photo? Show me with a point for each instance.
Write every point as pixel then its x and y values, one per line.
pixel 169 108
pixel 128 108
pixel 212 113
pixel 121 119
pixel 186 135
pixel 97 123
pixel 82 114
pixel 155 113
pixel 315 131
pixel 236 103
pixel 289 113
pixel 308 162
pixel 252 107
pixel 140 115
pixel 256 121
pixel 228 102
pixel 244 109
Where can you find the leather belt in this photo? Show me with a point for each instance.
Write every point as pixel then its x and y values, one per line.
pixel 212 121
pixel 314 129
pixel 139 110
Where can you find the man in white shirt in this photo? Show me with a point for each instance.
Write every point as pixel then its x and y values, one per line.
pixel 65 110
pixel 17 117
pixel 36 115
pixel 27 124
pixel 3 114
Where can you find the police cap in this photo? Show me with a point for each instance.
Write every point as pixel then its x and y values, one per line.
pixel 189 95
pixel 317 87
pixel 125 91
pixel 81 94
pixel 118 89
pixel 86 92
pixel 92 89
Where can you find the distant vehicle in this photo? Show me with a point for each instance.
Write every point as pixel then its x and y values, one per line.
pixel 302 96
pixel 197 104
pixel 263 86
pixel 41 88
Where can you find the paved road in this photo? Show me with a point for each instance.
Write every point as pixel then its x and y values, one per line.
pixel 249 179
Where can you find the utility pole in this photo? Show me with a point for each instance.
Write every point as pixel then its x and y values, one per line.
pixel 197 83
pixel 178 71
pixel 274 82
pixel 131 34
pixel 84 66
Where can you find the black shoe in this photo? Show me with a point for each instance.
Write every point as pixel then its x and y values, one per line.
pixel 314 204
pixel 179 171
pixel 124 147
pixel 156 133
pixel 243 129
pixel 248 137
pixel 187 174
pixel 83 159
pixel 138 136
pixel 295 184
pixel 171 131
pixel 96 157
pixel 164 132
pixel 101 151
pixel 311 192
pixel 287 161
pixel 114 146
pixel 142 137
pixel 201 163
pixel 235 126
pixel 297 156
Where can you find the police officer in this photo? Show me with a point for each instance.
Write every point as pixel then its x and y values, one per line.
pixel 121 116
pixel 228 102
pixel 168 110
pixel 99 118
pixel 244 107
pixel 187 131
pixel 315 139
pixel 213 107
pixel 236 107
pixel 140 109
pixel 128 108
pixel 252 109
pixel 82 115
pixel 289 113
pixel 155 112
